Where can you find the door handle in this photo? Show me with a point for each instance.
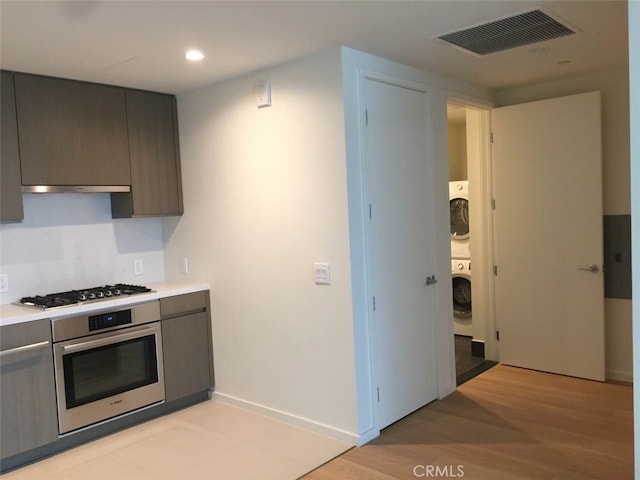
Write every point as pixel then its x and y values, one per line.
pixel 593 268
pixel 431 281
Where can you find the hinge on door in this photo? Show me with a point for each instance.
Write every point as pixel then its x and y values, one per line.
pixel 374 304
pixel 378 389
pixel 495 270
pixel 366 116
pixel 370 217
pixel 498 335
pixel 493 203
pixel 492 139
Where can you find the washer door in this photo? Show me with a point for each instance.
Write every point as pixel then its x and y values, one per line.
pixel 459 215
pixel 461 296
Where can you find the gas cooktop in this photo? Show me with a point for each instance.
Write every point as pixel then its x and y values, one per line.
pixel 74 297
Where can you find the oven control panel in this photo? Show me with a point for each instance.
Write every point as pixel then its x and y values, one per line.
pixel 108 320
pixel 97 321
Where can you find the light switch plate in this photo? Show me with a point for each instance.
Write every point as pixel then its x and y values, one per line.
pixel 4 283
pixel 323 273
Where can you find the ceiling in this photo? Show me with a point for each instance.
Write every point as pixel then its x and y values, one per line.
pixel 141 44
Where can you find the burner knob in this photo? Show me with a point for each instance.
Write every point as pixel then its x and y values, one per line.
pixel 99 294
pixel 117 291
pixel 108 293
pixel 82 297
pixel 92 296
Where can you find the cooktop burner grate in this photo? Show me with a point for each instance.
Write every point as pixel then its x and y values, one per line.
pixel 73 297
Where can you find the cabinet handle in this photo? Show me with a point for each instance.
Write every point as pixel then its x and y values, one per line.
pixel 25 348
pixel 116 338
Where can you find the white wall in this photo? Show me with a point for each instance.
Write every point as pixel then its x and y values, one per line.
pixel 265 195
pixel 69 241
pixel 614 88
pixel 634 82
pixel 457 150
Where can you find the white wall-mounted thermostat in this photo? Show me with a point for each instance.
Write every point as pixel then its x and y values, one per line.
pixel 262 90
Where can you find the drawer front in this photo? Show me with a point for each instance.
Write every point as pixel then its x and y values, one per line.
pixel 21 334
pixel 189 302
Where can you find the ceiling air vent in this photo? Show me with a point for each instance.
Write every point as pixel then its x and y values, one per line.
pixel 507 33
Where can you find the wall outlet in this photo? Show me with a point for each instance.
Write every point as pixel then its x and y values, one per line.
pixel 184 265
pixel 4 283
pixel 138 267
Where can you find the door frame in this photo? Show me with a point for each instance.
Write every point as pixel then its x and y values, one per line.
pixel 481 204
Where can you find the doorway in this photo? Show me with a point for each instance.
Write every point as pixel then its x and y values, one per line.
pixel 471 237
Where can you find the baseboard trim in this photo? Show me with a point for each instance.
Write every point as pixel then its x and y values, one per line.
pixel 446 390
pixel 367 436
pixel 619 376
pixel 333 432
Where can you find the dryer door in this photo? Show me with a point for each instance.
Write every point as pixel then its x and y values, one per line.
pixel 459 215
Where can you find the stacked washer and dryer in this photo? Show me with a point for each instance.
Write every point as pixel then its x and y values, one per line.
pixel 460 257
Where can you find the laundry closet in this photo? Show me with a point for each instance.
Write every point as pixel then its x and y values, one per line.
pixel 465 185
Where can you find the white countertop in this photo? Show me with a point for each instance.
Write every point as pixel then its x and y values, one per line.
pixel 11 314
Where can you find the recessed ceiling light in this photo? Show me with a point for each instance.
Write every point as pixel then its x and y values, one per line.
pixel 538 50
pixel 564 62
pixel 194 55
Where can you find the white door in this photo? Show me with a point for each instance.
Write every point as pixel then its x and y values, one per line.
pixel 549 288
pixel 400 246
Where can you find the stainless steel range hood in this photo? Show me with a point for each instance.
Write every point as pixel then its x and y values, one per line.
pixel 75 188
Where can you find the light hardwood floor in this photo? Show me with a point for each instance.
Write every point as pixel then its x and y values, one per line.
pixel 506 424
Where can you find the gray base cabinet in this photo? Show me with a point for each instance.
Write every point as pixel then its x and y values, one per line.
pixel 27 390
pixel 186 345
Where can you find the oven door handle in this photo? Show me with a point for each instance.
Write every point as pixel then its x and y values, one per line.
pixel 25 348
pixel 121 337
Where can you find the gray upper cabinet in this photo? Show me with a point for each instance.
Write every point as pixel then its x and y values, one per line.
pixel 28 400
pixel 156 184
pixel 71 133
pixel 10 181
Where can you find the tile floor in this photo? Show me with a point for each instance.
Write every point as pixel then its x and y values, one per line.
pixel 211 440
pixel 468 366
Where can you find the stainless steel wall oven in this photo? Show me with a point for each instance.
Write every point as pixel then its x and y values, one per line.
pixel 107 364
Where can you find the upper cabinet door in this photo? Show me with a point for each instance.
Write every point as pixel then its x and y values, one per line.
pixel 71 133
pixel 10 189
pixel 155 159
